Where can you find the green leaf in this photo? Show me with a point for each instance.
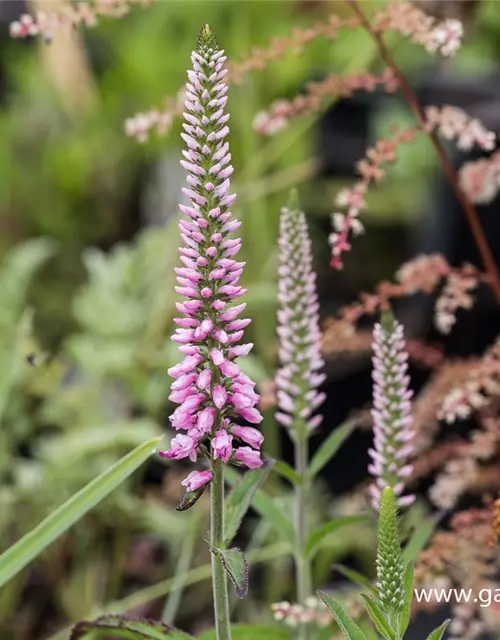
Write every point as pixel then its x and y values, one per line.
pixel 349 627
pixel 330 447
pixel 286 471
pixel 419 539
pixel 316 538
pixel 356 577
pixel 236 566
pixel 125 627
pixel 437 634
pixel 33 543
pixel 404 616
pixel 253 632
pixel 240 498
pixel 378 617
pixel 268 509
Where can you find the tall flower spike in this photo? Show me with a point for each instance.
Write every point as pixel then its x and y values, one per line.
pixel 298 379
pixel 391 412
pixel 209 387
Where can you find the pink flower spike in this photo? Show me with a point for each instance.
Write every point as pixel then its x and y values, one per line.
pixel 196 480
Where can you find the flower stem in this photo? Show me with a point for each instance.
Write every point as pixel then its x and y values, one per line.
pixel 469 209
pixel 219 580
pixel 302 566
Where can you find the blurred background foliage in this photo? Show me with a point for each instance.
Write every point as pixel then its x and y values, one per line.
pixel 88 241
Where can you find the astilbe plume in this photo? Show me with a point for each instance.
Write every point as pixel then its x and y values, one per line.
pixel 209 387
pixel 298 378
pixel 391 412
pixel 71 14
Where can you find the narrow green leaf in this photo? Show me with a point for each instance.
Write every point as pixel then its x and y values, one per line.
pixel 330 447
pixel 419 539
pixel 316 538
pixel 268 509
pixel 253 632
pixel 236 567
pixel 125 627
pixel 286 471
pixel 356 577
pixel 404 616
pixel 349 628
pixel 378 617
pixel 240 498
pixel 59 521
pixel 438 633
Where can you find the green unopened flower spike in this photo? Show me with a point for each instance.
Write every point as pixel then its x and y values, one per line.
pixel 390 563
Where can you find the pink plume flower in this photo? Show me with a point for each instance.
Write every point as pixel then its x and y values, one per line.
pixel 297 380
pixel 210 326
pixel 392 421
pixel 197 479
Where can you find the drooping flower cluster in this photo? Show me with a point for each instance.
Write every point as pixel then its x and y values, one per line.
pixel 480 179
pixel 209 387
pixel 454 124
pixel 46 23
pixel 391 412
pixel 298 379
pixel 282 111
pixel 444 37
pixel 371 170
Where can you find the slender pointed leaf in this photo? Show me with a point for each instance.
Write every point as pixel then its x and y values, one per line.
pixel 404 616
pixel 349 628
pixel 59 521
pixel 316 538
pixel 330 447
pixel 419 539
pixel 356 577
pixel 438 633
pixel 268 509
pixel 378 617
pixel 125 627
pixel 286 471
pixel 240 498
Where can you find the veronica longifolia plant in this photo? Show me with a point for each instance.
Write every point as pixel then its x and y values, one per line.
pixel 391 412
pixel 209 387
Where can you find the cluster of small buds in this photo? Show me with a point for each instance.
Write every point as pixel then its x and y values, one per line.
pixel 455 295
pixel 392 421
pixel 209 387
pixel 298 378
pixel 481 384
pixel 293 615
pixel 436 37
pixel 452 482
pixel 480 179
pixel 370 169
pixel 282 111
pixel 454 124
pixel 72 14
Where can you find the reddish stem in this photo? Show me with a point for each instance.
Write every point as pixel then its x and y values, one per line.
pixel 469 209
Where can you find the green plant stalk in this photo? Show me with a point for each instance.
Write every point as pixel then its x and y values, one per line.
pixel 181 570
pixel 219 580
pixel 302 564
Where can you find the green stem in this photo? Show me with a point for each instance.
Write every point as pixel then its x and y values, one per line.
pixel 302 565
pixel 219 580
